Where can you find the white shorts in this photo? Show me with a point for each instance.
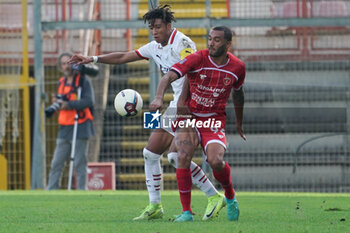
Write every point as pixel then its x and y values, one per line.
pixel 169 116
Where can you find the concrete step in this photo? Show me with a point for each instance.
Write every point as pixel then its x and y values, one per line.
pixel 139 161
pixel 187 31
pixel 140 177
pixel 145 96
pixel 190 9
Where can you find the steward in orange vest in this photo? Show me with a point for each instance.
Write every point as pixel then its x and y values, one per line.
pixel 69 91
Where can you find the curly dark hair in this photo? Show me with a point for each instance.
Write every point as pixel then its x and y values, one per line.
pixel 162 12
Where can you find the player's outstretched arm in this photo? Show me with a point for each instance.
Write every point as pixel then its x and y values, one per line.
pixel 238 101
pixel 162 86
pixel 110 58
pixel 118 57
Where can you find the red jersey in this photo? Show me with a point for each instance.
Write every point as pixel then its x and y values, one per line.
pixel 210 84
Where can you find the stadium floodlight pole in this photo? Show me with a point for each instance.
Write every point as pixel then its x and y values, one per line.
pixel 38 151
pixel 74 142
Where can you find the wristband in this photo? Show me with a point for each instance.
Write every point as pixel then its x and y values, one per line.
pixel 94 59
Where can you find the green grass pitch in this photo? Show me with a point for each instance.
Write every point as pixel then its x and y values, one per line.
pixel 112 211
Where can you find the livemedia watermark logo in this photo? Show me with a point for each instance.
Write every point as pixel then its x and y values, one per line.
pixel 152 120
pixel 155 120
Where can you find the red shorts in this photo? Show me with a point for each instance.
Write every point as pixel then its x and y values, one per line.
pixel 209 129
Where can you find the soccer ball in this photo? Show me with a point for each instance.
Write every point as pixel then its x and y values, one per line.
pixel 128 102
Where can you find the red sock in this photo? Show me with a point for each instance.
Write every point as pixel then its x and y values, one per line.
pixel 224 177
pixel 184 184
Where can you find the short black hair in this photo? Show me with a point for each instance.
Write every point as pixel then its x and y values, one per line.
pixel 227 32
pixel 162 12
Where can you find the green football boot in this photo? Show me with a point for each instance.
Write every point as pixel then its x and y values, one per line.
pixel 152 211
pixel 215 204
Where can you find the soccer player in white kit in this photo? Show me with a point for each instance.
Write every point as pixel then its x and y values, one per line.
pixel 168 47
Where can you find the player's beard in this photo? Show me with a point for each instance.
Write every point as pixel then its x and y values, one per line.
pixel 219 51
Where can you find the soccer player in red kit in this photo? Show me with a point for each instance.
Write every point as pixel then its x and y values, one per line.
pixel 211 74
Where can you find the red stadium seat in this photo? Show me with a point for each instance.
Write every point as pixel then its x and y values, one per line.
pixel 10 17
pixel 332 9
pixel 290 9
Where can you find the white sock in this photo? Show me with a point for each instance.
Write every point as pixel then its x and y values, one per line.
pixel 153 174
pixel 201 180
pixel 198 176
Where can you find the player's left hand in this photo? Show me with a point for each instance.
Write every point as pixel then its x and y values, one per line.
pixel 241 132
pixel 156 104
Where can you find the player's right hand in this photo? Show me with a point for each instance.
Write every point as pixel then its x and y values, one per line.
pixel 156 104
pixel 79 59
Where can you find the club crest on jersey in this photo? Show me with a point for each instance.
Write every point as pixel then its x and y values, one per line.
pixel 227 81
pixel 202 76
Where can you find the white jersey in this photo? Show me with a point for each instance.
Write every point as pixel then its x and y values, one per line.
pixel 178 47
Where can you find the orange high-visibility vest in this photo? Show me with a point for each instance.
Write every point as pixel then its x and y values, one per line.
pixel 66 116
